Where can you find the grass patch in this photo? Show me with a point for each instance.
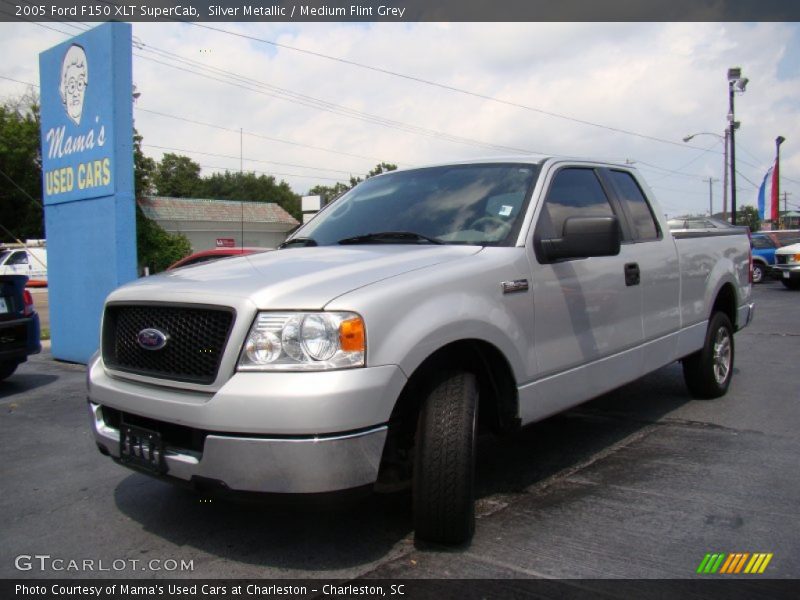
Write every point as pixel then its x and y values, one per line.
pixel 45 333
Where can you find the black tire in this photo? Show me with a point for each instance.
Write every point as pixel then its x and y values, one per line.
pixel 444 461
pixel 792 284
pixel 7 370
pixel 708 371
pixel 759 272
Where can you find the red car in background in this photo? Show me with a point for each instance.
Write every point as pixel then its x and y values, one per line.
pixel 214 254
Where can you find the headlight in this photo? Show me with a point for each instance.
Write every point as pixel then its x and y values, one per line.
pixel 314 341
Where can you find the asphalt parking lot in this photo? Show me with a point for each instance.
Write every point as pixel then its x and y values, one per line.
pixel 639 483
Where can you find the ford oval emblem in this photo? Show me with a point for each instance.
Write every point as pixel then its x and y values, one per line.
pixel 151 339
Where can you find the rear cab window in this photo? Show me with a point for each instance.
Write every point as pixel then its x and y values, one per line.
pixel 643 223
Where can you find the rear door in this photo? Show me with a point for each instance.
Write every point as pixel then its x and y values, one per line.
pixel 656 259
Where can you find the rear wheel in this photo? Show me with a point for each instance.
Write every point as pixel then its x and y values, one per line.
pixel 759 272
pixel 444 461
pixel 708 371
pixel 7 369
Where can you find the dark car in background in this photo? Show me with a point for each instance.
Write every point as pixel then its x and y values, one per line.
pixel 19 324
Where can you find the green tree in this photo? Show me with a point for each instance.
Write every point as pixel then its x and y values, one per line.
pixel 177 176
pixel 748 215
pixel 250 187
pixel 156 248
pixel 20 169
pixel 331 192
pixel 144 168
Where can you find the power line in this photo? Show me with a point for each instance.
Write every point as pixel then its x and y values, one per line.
pixel 18 81
pixel 258 135
pixel 271 173
pixel 670 171
pixel 698 157
pixel 344 111
pixel 309 101
pixel 247 159
pixel 441 85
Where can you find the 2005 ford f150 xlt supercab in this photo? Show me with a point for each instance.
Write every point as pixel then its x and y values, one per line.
pixel 419 309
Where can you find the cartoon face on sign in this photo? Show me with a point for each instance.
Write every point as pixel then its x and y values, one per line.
pixel 74 79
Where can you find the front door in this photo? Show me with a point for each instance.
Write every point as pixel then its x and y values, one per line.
pixel 586 311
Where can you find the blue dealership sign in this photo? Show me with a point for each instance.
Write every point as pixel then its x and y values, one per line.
pixel 78 139
pixel 87 172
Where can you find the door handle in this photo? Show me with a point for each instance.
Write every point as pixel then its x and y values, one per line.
pixel 632 274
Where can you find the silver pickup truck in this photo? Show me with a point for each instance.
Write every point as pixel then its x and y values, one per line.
pixel 420 309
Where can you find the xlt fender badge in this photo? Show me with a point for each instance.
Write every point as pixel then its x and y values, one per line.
pixel 518 285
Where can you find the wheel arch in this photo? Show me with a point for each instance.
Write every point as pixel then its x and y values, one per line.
pixel 498 400
pixel 725 302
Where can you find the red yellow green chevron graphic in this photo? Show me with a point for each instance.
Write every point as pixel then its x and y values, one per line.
pixel 734 563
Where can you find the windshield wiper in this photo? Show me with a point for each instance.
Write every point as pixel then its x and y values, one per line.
pixel 391 237
pixel 298 241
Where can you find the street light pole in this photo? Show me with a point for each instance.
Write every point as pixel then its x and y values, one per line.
pixel 735 81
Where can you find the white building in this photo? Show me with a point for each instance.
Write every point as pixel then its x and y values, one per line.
pixel 213 223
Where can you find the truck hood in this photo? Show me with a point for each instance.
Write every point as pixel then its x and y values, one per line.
pixel 294 278
pixel 793 249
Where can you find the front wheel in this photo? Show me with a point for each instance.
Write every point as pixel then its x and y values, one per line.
pixel 759 272
pixel 444 461
pixel 708 371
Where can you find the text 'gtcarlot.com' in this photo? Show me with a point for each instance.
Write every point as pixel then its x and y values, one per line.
pixel 45 562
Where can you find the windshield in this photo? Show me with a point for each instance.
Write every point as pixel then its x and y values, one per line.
pixel 480 204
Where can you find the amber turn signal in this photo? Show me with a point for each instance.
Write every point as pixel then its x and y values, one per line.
pixel 351 335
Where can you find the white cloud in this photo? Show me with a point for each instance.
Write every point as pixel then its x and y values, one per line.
pixel 662 80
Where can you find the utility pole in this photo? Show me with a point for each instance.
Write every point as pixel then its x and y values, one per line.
pixel 711 196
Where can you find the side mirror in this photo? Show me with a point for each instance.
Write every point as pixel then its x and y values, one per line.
pixel 583 237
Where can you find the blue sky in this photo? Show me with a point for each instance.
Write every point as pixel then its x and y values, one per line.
pixel 581 83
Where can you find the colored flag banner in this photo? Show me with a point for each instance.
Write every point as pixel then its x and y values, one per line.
pixel 768 196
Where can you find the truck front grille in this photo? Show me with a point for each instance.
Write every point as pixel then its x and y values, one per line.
pixel 196 339
pixel 781 259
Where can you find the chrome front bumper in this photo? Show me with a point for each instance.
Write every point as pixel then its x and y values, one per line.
pixel 259 464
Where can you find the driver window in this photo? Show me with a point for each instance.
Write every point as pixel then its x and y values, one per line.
pixel 574 192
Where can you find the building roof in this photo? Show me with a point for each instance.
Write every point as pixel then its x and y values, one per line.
pixel 165 208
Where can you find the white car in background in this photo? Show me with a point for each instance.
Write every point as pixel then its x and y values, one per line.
pixel 28 261
pixel 787 266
